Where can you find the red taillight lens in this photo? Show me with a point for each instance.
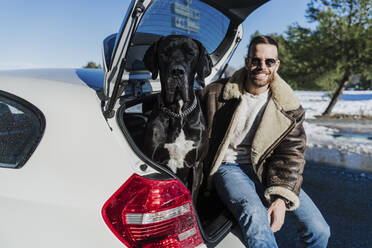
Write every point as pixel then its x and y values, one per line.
pixel 152 213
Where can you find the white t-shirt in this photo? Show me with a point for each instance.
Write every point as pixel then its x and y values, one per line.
pixel 249 115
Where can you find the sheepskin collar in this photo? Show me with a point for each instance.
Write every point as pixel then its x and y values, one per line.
pixel 282 94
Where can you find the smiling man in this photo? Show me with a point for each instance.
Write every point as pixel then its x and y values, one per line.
pixel 256 154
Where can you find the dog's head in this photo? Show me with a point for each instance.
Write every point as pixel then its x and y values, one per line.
pixel 178 58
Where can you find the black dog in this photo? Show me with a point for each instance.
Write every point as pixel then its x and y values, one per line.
pixel 176 134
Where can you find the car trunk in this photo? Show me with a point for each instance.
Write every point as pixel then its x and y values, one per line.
pixel 125 72
pixel 213 218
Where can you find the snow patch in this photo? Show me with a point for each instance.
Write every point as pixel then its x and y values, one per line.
pixel 322 145
pixel 351 102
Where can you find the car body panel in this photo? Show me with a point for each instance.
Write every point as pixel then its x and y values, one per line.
pixel 57 196
pixel 61 182
pixel 232 239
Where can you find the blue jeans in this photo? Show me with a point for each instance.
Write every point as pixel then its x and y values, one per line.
pixel 242 193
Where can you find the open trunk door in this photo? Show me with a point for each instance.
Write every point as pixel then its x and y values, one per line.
pixel 215 23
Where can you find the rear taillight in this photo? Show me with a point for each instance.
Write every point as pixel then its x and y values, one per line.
pixel 152 213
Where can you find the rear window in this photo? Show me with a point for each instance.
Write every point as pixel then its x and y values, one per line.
pixel 21 128
pixel 192 18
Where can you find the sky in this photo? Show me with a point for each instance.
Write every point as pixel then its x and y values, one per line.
pixel 69 33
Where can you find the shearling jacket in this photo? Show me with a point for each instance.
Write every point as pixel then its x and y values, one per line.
pixel 278 146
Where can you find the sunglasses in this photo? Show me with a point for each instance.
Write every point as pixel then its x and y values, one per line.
pixel 257 62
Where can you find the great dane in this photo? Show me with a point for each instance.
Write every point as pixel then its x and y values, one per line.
pixel 176 135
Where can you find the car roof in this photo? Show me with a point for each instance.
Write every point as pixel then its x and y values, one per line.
pixel 91 77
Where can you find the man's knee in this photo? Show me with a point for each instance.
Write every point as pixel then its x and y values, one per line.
pixel 323 230
pixel 252 210
pixel 319 232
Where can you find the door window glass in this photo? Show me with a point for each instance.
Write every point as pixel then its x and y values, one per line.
pixel 21 128
pixel 181 17
pixel 191 18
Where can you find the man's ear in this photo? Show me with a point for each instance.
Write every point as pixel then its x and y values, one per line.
pixel 278 64
pixel 150 59
pixel 246 63
pixel 204 64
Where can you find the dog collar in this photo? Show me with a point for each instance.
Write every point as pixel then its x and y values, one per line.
pixel 183 114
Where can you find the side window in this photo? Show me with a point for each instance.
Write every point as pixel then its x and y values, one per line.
pixel 21 128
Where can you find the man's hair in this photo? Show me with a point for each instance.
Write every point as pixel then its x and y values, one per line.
pixel 262 39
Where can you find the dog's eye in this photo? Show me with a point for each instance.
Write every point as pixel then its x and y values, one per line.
pixel 191 53
pixel 163 56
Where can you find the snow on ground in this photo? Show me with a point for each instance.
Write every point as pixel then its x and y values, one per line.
pixel 351 102
pixel 325 144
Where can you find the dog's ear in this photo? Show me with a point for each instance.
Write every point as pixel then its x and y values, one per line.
pixel 150 59
pixel 204 65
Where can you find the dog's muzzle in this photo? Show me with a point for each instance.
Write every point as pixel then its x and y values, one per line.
pixel 178 71
pixel 178 83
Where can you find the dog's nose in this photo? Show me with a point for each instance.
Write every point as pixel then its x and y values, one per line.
pixel 178 71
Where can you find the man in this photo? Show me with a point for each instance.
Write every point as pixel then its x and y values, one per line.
pixel 257 145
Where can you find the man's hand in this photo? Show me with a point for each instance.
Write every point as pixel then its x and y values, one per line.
pixel 276 214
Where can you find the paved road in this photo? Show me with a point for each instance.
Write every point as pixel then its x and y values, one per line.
pixel 345 199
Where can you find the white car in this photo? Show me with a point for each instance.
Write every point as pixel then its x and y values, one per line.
pixel 72 173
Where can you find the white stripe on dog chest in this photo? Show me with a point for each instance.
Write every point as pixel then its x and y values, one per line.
pixel 178 151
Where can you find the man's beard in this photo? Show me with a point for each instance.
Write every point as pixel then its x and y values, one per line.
pixel 260 82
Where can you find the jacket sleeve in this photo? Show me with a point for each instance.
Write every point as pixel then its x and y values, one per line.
pixel 208 98
pixel 285 166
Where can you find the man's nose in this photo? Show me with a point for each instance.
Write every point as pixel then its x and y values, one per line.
pixel 262 64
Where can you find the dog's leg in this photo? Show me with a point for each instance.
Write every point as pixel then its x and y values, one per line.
pixel 197 176
pixel 154 142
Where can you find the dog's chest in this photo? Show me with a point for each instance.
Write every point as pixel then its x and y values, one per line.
pixel 178 150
